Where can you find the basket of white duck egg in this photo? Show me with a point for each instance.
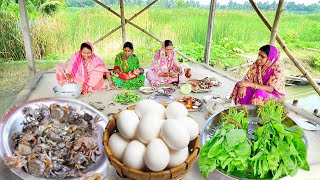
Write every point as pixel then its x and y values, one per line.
pixel 152 141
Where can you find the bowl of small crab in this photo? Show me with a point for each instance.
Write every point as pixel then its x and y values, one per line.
pixel 54 138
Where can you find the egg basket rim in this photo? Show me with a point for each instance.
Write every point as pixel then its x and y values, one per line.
pixel 126 172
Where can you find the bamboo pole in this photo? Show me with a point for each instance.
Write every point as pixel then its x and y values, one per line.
pixel 276 22
pixel 209 32
pixel 27 41
pixel 287 51
pixel 123 24
pixel 115 13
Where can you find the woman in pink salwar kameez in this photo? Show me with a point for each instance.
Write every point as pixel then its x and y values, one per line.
pixel 85 68
pixel 165 68
pixel 265 79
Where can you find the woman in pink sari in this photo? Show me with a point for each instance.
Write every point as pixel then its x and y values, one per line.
pixel 85 68
pixel 265 79
pixel 165 68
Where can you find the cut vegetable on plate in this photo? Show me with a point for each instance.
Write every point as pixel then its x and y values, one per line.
pixel 127 97
pixel 191 103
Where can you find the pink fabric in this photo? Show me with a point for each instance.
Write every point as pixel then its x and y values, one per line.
pixel 270 74
pixel 88 73
pixel 162 64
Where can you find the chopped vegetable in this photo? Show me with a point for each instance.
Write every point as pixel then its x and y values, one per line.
pixel 127 97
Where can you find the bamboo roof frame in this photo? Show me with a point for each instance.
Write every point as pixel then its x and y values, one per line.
pixel 124 21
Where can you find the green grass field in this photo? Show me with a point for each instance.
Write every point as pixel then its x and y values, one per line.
pixel 234 32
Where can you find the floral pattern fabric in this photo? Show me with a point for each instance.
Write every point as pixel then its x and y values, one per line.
pixel 270 74
pixel 123 65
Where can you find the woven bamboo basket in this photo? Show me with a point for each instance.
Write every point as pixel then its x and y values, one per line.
pixel 131 174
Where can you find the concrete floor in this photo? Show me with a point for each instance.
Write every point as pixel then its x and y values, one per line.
pixel 43 84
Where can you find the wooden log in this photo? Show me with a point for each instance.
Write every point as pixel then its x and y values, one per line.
pixel 209 32
pixel 27 41
pixel 304 72
pixel 123 24
pixel 115 13
pixel 274 29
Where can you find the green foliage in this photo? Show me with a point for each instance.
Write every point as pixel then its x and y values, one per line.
pixel 52 57
pixel 50 7
pixel 274 152
pixel 229 148
pixel 316 62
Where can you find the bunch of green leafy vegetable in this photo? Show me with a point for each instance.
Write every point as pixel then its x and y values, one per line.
pixel 229 148
pixel 278 150
pixel 127 97
pixel 275 151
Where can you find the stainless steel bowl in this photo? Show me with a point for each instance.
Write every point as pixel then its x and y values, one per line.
pixel 146 90
pixel 68 90
pixel 12 122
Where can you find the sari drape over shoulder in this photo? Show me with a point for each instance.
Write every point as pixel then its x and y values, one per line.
pixel 124 66
pixel 270 74
pixel 88 73
pixel 162 64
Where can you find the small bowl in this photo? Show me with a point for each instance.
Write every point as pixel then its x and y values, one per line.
pixel 165 90
pixel 68 90
pixel 146 90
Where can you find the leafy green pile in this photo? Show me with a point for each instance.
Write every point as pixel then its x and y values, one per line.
pixel 275 151
pixel 229 148
pixel 127 97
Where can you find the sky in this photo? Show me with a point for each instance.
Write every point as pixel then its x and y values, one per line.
pixel 307 2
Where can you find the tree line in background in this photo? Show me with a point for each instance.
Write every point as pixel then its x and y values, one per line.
pixel 289 6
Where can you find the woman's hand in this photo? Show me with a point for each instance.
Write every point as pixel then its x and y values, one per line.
pixel 173 74
pixel 244 84
pixel 242 92
pixel 112 86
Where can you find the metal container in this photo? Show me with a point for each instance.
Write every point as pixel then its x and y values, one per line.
pixel 68 90
pixel 12 122
pixel 214 122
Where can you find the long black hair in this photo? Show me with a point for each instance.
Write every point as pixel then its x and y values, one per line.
pixel 128 45
pixel 168 43
pixel 265 49
pixel 85 45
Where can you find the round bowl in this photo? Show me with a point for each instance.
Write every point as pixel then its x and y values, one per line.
pixel 146 90
pixel 13 122
pixel 68 90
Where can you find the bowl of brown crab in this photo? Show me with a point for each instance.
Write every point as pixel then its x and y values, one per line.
pixel 54 138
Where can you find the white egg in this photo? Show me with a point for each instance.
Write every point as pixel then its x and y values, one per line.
pixel 149 129
pixel 176 110
pixel 157 155
pixel 191 125
pixel 178 157
pixel 174 134
pixel 133 155
pixel 127 123
pixel 147 106
pixel 117 144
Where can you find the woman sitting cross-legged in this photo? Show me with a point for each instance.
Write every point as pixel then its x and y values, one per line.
pixel 85 68
pixel 165 68
pixel 265 79
pixel 126 62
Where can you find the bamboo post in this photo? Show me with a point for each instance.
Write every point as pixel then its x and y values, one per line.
pixel 287 51
pixel 115 13
pixel 27 41
pixel 276 22
pixel 210 29
pixel 123 24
